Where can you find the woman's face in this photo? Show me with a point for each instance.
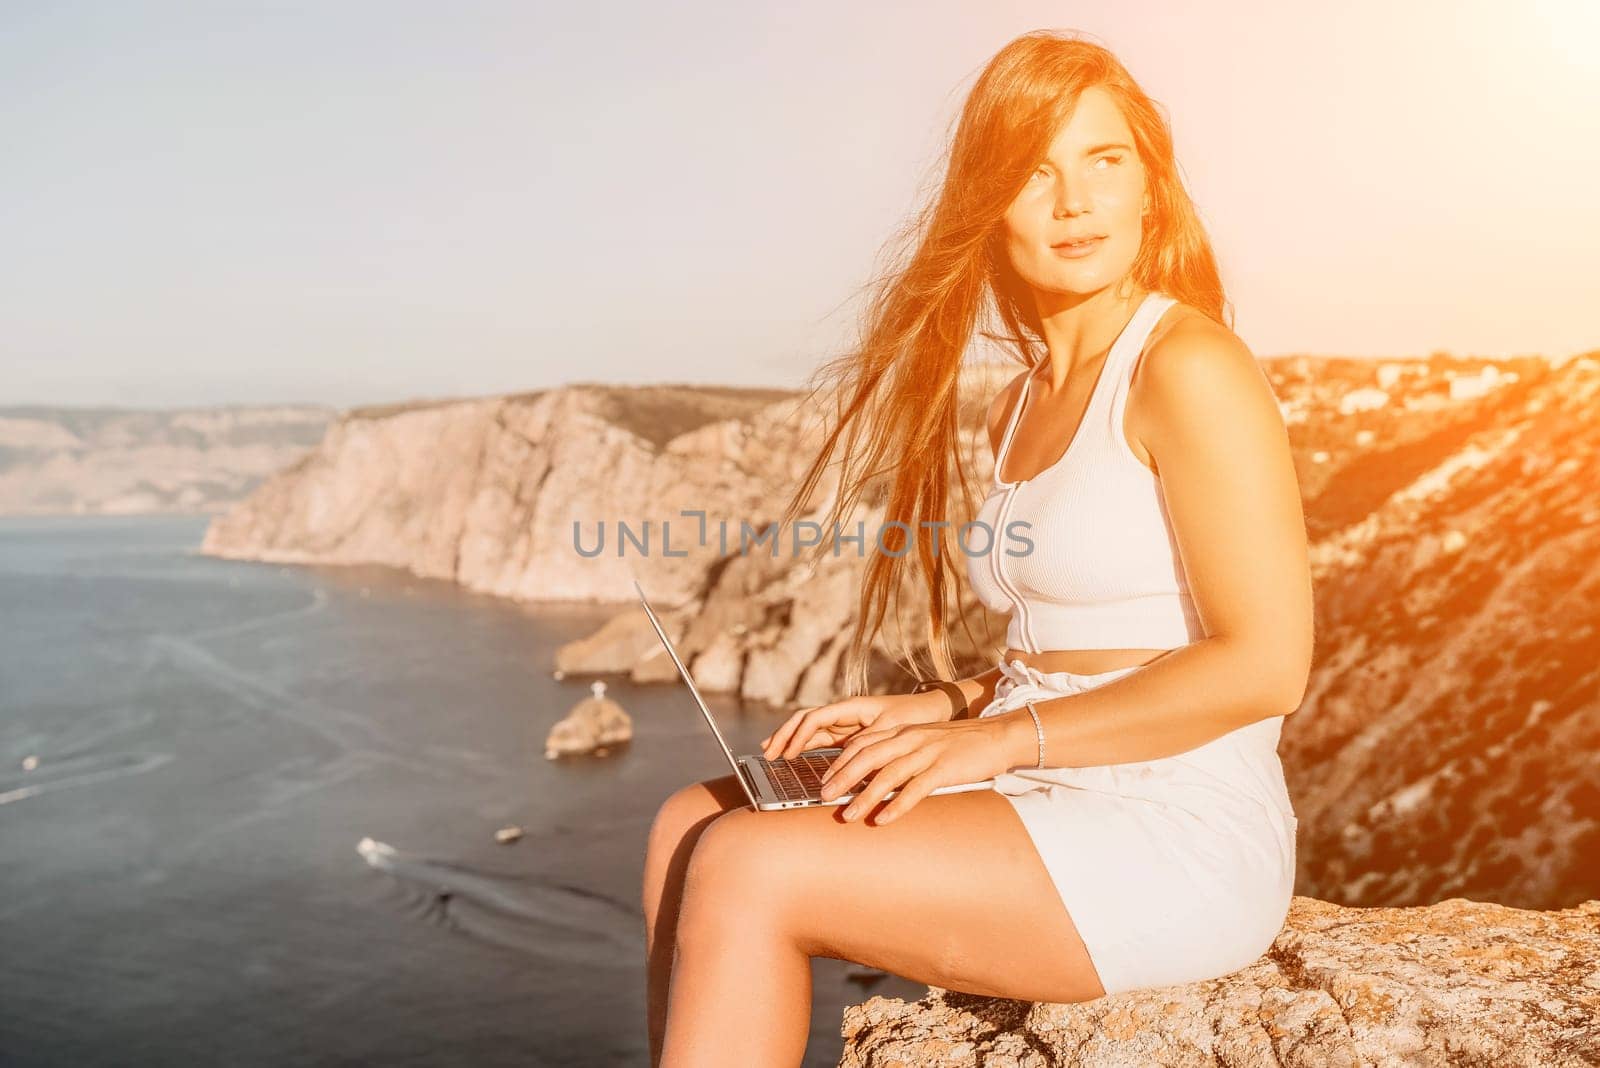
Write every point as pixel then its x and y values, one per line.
pixel 1090 185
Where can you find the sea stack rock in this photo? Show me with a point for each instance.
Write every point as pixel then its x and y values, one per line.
pixel 593 725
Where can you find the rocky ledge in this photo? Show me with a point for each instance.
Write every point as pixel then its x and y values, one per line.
pixel 1457 983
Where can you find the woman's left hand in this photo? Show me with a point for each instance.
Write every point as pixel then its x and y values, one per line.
pixel 916 758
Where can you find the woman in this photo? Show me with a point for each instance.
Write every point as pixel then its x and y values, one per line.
pixel 1139 833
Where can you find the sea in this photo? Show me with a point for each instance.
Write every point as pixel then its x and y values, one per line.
pixel 248 816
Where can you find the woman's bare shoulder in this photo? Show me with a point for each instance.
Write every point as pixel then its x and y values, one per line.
pixel 1183 337
pixel 1185 327
pixel 1194 366
pixel 1188 360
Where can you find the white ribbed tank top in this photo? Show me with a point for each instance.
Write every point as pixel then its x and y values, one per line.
pixel 1082 555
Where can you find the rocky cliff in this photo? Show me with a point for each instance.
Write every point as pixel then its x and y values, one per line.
pixel 499 494
pixel 1449 744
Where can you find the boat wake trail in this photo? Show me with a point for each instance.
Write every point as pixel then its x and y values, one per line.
pixel 77 771
pixel 551 920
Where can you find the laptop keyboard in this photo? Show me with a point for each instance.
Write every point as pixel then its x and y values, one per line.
pixel 801 778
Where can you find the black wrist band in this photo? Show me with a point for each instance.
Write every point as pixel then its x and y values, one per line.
pixel 958 700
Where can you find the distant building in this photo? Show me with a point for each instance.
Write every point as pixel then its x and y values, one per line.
pixel 1465 387
pixel 1365 399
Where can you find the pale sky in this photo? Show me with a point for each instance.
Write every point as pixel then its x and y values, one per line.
pixel 356 203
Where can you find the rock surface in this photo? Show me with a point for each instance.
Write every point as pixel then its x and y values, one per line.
pixel 1456 983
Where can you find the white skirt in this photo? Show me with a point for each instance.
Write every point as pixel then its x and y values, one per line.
pixel 1173 870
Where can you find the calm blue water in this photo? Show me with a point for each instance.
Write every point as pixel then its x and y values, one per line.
pixel 181 877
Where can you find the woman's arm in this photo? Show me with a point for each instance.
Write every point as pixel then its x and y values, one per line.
pixel 1212 424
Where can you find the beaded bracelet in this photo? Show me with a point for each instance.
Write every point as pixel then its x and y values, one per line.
pixel 1038 728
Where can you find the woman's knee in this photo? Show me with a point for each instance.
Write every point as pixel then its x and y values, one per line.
pixel 725 876
pixel 747 867
pixel 688 809
pixel 678 822
pixel 718 843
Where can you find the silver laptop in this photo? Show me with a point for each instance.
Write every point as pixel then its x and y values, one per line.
pixel 781 783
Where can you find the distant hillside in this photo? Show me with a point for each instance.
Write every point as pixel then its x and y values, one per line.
pixel 86 461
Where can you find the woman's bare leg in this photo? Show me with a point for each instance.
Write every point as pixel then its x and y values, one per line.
pixel 953 893
pixel 677 825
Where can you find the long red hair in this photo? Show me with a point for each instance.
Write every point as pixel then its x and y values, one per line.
pixel 896 397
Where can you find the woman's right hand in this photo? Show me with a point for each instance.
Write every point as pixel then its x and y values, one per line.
pixel 832 724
